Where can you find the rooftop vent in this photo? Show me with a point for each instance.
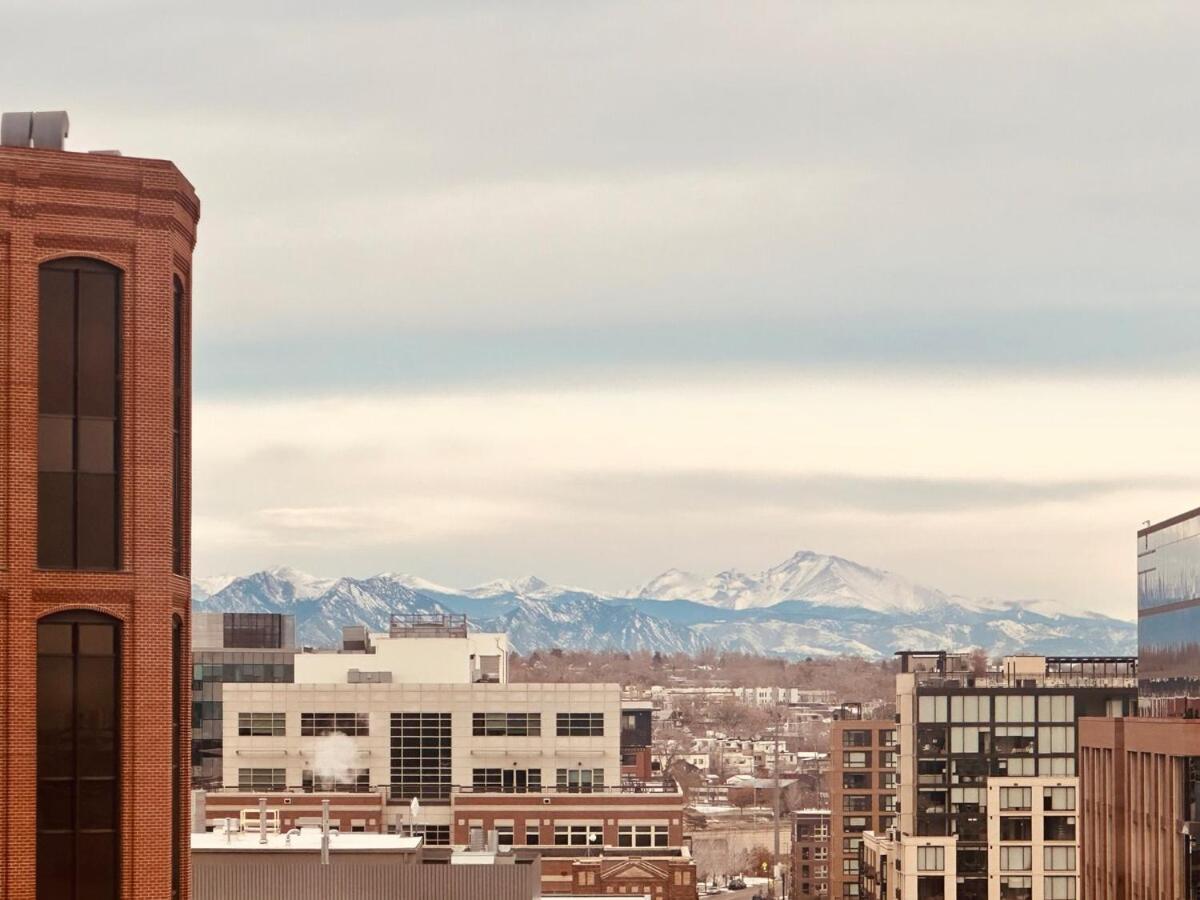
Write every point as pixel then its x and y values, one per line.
pixel 43 130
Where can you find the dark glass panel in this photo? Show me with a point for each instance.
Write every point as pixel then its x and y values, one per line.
pixel 56 520
pixel 56 805
pixel 97 539
pixel 54 638
pixel 55 866
pixel 97 344
pixel 97 640
pixel 56 444
pixel 97 803
pixel 56 342
pixel 97 865
pixel 96 446
pixel 55 705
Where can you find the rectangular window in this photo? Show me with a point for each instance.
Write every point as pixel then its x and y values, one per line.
pixel 507 781
pixel 1056 739
pixel 262 779
pixel 178 342
pixel 970 709
pixel 856 759
pixel 579 781
pixel 261 724
pixel 580 725
pixel 1016 859
pixel 641 835
pixel 1016 798
pixel 434 835
pixel 888 780
pixel 1058 828
pixel 1059 887
pixel 1056 708
pixel 1016 828
pixel 887 737
pixel 578 835
pixel 1056 766
pixel 856 824
pixel 350 724
pixel 354 781
pixel 1016 887
pixel 250 631
pixel 856 803
pixel 1014 708
pixel 421 755
pixel 504 835
pixel 860 781
pixel 79 415
pixel 1059 799
pixel 887 759
pixel 533 835
pixel 1059 859
pixel 931 859
pixel 856 738
pixel 506 724
pixel 850 866
pixel 932 709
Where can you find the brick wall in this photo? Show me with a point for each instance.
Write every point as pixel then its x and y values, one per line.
pixel 139 215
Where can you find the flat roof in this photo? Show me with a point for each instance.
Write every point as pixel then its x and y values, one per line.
pixel 309 840
pixel 1167 523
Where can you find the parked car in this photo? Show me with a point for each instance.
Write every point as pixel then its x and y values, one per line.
pixel 737 884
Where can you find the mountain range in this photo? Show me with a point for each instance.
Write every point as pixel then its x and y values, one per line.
pixel 809 605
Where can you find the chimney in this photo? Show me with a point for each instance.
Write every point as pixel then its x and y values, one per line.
pixel 199 812
pixel 41 130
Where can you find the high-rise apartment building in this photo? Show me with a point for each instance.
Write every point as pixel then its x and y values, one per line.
pixel 810 854
pixel 863 785
pixel 1140 778
pixel 988 782
pixel 95 299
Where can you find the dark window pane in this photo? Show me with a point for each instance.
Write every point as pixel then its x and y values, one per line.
pixel 97 865
pixel 56 805
pixel 56 342
pixel 97 803
pixel 56 444
pixel 97 640
pixel 55 866
pixel 97 344
pixel 55 704
pixel 54 638
pixel 56 520
pixel 96 447
pixel 97 537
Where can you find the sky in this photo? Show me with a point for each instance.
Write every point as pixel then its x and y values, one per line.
pixel 595 289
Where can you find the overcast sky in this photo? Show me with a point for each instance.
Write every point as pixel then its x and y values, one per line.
pixel 593 289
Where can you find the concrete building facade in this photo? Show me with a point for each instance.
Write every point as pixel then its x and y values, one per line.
pixel 95 362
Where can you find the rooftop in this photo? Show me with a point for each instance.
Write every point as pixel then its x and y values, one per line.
pixel 308 839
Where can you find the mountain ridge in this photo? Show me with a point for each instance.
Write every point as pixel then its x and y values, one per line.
pixel 808 605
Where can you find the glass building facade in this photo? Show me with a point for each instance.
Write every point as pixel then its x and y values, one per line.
pixel 1168 573
pixel 232 648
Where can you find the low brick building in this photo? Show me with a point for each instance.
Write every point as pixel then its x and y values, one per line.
pixel 810 854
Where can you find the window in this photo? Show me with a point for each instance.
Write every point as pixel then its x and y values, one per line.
pixel 968 740
pixel 856 780
pixel 887 737
pixel 931 709
pixel 1056 708
pixel 1014 708
pixel 421 753
pixel 434 835
pixel 1059 859
pixel 850 866
pixel 504 835
pixel 79 415
pixel 930 887
pixel 1014 739
pixel 641 835
pixel 1016 828
pixel 351 781
pixel 856 759
pixel 1060 766
pixel 1016 887
pixel 886 822
pixel 533 835
pixel 262 779
pixel 251 631
pixel 856 738
pixel 931 859
pixel 177 405
pixel 580 781
pixel 856 824
pixel 350 724
pixel 850 889
pixel 1056 739
pixel 261 724
pixel 580 725
pixel 850 846
pixel 1018 798
pixel 970 709
pixel 506 724
pixel 1059 828
pixel 1059 887
pixel 578 835
pixel 888 780
pixel 887 759
pixel 506 781
pixel 78 748
pixel 1058 798
pixel 1016 859
pixel 856 803
pixel 887 802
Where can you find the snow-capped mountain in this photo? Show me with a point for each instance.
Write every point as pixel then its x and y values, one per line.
pixel 808 605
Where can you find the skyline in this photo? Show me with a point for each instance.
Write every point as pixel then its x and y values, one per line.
pixel 595 290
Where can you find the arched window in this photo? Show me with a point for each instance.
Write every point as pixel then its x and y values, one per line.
pixel 78 756
pixel 177 428
pixel 79 404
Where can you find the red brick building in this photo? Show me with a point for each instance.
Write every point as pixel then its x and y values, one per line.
pixel 862 792
pixel 95 296
pixel 669 877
